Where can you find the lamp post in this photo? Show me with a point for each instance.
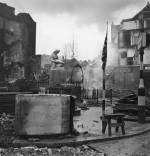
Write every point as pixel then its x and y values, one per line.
pixel 141 89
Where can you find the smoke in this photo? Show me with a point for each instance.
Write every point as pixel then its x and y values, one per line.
pixel 93 70
pixel 92 74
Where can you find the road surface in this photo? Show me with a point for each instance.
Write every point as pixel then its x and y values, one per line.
pixel 135 146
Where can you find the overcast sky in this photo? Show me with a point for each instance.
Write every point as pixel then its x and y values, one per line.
pixel 84 21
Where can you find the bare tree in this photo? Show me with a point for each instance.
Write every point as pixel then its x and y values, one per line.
pixel 70 50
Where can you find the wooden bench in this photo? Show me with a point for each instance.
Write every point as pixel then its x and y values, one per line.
pixel 106 120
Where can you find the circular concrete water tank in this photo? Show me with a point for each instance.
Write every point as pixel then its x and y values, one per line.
pixel 42 114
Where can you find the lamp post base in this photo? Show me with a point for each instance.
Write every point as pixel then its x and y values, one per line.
pixel 141 114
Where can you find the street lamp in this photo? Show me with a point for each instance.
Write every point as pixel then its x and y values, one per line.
pixel 141 89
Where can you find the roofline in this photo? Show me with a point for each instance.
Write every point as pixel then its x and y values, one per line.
pixel 135 16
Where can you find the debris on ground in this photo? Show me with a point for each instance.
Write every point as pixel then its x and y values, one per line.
pixel 77 111
pixel 63 151
pixel 84 105
pixel 7 131
pixel 95 121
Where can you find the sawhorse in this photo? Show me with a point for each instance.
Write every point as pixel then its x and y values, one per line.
pixel 106 120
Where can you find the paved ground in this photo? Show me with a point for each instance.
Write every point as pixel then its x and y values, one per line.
pixel 134 146
pixel 90 121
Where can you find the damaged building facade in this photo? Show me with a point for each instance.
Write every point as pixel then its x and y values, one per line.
pixel 17 43
pixel 125 39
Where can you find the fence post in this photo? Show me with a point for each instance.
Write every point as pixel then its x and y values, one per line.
pixel 97 96
pixel 111 97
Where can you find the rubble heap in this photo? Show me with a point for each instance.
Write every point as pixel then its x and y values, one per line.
pixel 7 132
pixel 64 151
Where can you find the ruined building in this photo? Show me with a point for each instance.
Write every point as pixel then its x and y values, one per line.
pixel 126 35
pixel 17 43
pixel 125 40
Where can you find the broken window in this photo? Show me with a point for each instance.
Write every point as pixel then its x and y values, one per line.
pixel 124 39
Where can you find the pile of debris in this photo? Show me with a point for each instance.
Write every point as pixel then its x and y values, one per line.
pixel 64 151
pixel 7 131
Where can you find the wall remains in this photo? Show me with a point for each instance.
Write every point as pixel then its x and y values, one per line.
pixel 17 36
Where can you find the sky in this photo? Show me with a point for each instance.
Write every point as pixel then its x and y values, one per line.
pixel 82 22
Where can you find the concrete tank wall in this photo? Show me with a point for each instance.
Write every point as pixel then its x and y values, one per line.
pixel 42 114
